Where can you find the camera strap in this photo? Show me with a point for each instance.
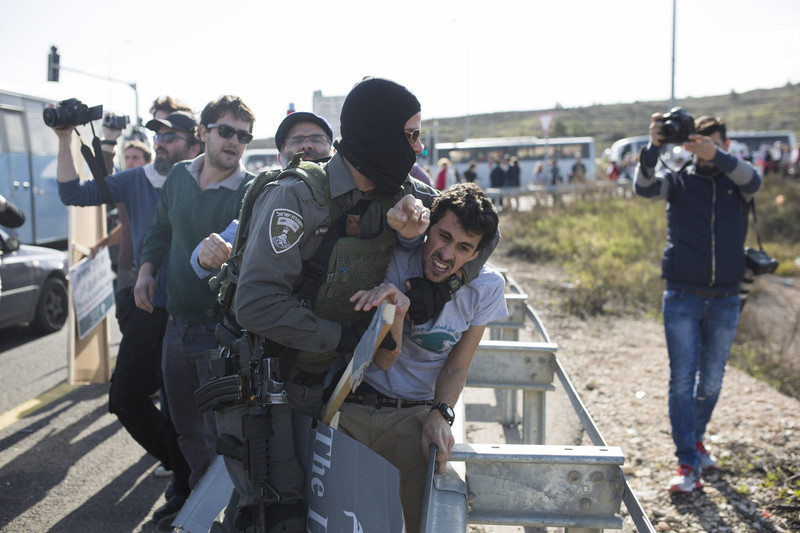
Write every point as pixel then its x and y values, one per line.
pixel 97 166
pixel 752 208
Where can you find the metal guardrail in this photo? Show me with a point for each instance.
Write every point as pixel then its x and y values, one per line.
pixel 530 485
pixel 632 504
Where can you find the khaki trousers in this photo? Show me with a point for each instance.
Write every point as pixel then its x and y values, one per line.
pixel 396 435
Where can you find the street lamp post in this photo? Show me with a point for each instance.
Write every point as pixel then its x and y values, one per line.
pixel 54 67
pixel 672 91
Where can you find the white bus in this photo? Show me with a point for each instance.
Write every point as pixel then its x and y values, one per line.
pixel 529 151
pixel 28 154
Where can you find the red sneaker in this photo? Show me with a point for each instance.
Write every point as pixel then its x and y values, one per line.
pixel 686 480
pixel 707 461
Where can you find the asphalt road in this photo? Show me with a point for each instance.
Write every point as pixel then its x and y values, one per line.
pixel 67 465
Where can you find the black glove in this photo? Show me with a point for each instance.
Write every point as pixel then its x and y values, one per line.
pixel 352 334
pixel 427 299
pixel 388 342
pixel 349 338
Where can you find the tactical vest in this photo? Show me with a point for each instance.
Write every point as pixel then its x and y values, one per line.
pixel 351 263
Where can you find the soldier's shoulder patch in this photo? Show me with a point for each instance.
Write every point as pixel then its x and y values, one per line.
pixel 285 229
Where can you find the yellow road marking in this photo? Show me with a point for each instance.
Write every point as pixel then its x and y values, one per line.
pixel 31 406
pixel 21 411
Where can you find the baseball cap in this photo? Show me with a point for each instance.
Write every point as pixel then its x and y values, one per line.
pixel 300 116
pixel 179 120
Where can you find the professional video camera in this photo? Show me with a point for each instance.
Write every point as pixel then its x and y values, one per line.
pixel 678 125
pixel 71 112
pixel 116 122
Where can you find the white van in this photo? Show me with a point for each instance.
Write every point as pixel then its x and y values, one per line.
pixel 28 160
pixel 259 159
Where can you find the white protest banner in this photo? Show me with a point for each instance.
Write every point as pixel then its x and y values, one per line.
pixel 348 486
pixel 92 290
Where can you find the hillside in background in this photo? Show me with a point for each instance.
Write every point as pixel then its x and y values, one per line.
pixel 761 109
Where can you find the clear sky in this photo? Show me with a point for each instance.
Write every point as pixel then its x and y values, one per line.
pixel 458 57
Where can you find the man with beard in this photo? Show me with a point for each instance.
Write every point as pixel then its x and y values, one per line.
pixel 121 235
pixel 300 131
pixel 703 265
pixel 199 197
pixel 137 374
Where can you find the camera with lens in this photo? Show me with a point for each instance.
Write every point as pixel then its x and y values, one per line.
pixel 678 125
pixel 116 122
pixel 71 112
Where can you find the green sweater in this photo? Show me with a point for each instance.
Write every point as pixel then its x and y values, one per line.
pixel 185 216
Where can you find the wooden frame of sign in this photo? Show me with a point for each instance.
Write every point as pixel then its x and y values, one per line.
pixel 364 352
pixel 88 359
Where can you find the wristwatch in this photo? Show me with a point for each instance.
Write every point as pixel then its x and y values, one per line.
pixel 446 410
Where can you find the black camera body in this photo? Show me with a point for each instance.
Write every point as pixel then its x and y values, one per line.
pixel 678 125
pixel 116 122
pixel 759 261
pixel 71 112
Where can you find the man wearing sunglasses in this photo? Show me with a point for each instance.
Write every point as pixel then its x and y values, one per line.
pixel 199 197
pixel 300 131
pixel 137 374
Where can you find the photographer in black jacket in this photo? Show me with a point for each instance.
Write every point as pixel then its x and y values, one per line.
pixel 703 265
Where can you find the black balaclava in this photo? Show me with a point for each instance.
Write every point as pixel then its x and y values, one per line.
pixel 373 119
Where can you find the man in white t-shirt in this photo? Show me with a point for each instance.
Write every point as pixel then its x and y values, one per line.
pixel 404 404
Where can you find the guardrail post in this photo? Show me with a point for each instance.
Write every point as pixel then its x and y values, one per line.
pixel 526 366
pixel 508 329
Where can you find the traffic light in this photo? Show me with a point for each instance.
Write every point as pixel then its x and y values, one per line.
pixel 53 64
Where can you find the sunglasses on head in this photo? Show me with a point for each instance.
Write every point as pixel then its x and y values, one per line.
pixel 226 132
pixel 412 136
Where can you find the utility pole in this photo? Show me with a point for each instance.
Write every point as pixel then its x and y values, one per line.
pixel 672 92
pixel 54 66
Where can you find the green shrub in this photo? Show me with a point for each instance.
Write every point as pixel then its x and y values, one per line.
pixel 612 248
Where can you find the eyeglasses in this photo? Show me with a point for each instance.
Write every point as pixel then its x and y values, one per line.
pixel 412 136
pixel 226 132
pixel 168 137
pixel 299 140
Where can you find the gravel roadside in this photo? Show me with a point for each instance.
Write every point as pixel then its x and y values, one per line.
pixel 620 369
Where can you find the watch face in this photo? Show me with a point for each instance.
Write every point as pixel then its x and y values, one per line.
pixel 447 412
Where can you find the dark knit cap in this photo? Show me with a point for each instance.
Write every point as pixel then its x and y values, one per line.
pixel 373 140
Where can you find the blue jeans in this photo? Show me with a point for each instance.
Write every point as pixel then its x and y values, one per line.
pixel 699 336
pixel 184 368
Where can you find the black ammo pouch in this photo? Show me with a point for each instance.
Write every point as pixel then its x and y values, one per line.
pixel 241 374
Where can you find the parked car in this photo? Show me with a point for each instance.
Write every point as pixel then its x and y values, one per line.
pixel 33 285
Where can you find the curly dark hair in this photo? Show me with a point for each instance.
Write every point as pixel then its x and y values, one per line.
pixel 215 109
pixel 473 209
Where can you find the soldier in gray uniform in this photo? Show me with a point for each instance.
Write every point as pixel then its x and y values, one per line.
pixel 367 198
